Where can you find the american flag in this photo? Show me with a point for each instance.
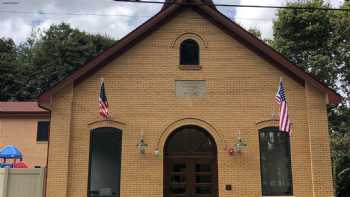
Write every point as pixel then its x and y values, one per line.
pixel 103 101
pixel 284 122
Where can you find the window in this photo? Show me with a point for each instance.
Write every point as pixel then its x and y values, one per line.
pixel 189 52
pixel 275 162
pixel 42 133
pixel 105 162
pixel 190 139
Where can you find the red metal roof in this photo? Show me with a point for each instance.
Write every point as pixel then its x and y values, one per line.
pixel 172 10
pixel 18 108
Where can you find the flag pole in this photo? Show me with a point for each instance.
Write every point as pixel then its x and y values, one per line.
pixel 273 115
pixel 108 115
pixel 99 89
pixel 278 90
pixel 108 118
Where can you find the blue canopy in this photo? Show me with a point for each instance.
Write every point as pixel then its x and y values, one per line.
pixel 10 152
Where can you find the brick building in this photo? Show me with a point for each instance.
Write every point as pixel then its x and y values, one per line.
pixel 188 82
pixel 25 125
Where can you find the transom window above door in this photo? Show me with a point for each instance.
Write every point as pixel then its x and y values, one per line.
pixel 188 140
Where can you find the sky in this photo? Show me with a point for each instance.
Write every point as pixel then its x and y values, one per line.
pixel 18 18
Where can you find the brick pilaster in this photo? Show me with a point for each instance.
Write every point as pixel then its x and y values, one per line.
pixel 59 144
pixel 319 143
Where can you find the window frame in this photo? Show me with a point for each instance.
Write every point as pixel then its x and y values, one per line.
pixel 288 157
pixel 39 139
pixel 196 64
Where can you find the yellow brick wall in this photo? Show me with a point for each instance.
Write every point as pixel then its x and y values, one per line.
pixel 22 133
pixel 320 145
pixel 140 87
pixel 59 144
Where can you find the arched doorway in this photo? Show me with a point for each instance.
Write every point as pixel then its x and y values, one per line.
pixel 190 163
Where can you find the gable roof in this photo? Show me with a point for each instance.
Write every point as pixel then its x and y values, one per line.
pixel 167 3
pixel 214 16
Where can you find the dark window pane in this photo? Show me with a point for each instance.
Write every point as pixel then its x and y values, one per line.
pixel 202 167
pixel 189 52
pixel 275 162
pixel 177 179
pixel 105 160
pixel 203 190
pixel 203 179
pixel 190 139
pixel 177 188
pixel 179 167
pixel 43 131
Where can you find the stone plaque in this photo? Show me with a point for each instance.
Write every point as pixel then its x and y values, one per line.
pixel 190 88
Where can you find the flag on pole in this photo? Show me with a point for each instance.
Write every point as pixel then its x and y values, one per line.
pixel 284 121
pixel 103 103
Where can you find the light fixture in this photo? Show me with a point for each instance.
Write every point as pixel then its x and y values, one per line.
pixel 156 152
pixel 141 144
pixel 237 147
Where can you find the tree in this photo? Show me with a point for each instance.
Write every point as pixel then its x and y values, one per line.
pixel 319 41
pixel 47 57
pixel 8 70
pixel 341 44
pixel 304 36
pixel 341 160
pixel 255 32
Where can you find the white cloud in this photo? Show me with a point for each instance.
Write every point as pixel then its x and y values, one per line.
pixel 258 18
pixel 115 19
pixel 15 28
pixel 261 18
pixel 114 26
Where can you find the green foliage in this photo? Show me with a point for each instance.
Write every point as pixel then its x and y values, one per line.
pixel 341 44
pixel 340 133
pixel 255 32
pixel 45 58
pixel 304 36
pixel 53 54
pixel 319 41
pixel 8 70
pixel 341 159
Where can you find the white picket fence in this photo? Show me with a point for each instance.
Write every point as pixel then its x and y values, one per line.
pixel 22 182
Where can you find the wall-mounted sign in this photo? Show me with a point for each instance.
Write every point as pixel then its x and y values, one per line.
pixel 190 88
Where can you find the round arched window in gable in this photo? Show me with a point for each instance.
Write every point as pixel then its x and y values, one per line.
pixel 189 52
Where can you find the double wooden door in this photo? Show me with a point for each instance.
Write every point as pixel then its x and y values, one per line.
pixel 190 176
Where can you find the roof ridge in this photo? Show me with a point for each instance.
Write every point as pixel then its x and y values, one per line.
pixel 168 3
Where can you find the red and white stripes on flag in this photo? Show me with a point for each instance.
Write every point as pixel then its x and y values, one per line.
pixel 103 103
pixel 284 121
